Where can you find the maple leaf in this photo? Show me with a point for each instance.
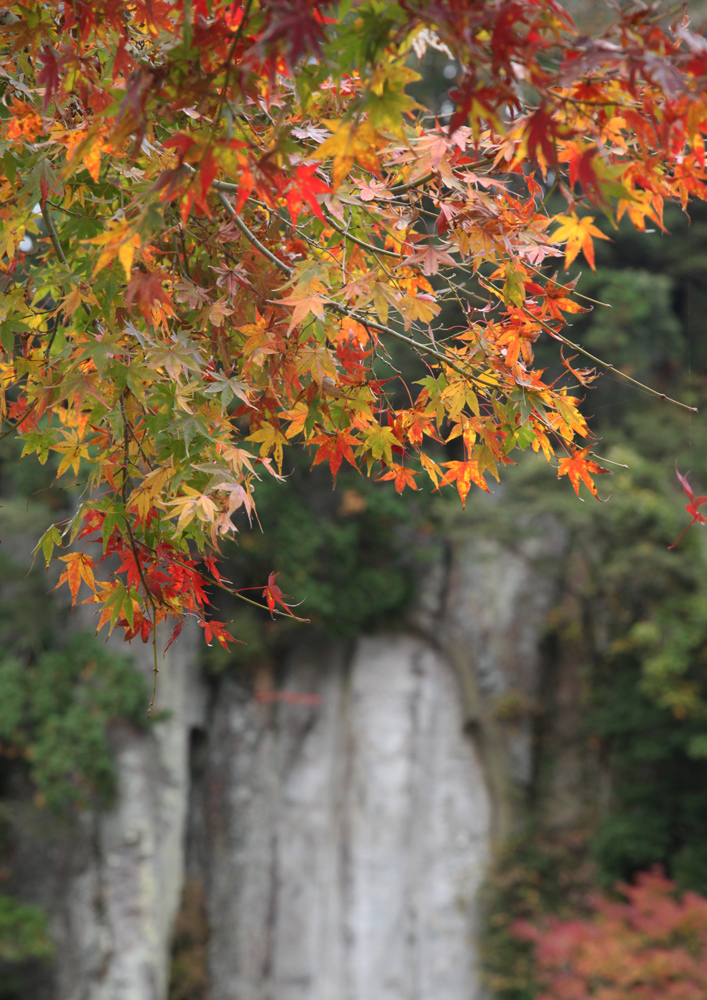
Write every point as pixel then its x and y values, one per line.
pixel 583 375
pixel 147 287
pixel 273 595
pixel 578 233
pixel 464 474
pixel 430 258
pixel 120 241
pixel 542 134
pixel 303 190
pixel 580 468
pixel 73 450
pixel 213 630
pixel 304 304
pixel 692 507
pixel 349 142
pixel 48 77
pixel 402 476
pixel 144 496
pixel 79 567
pixel 232 278
pixel 557 298
pixel 334 448
pixel 271 439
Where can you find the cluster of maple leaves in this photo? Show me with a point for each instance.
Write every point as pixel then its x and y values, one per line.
pixel 648 946
pixel 236 209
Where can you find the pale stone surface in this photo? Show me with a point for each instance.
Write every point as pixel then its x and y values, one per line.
pixel 339 844
pixel 113 928
pixel 349 838
pixel 491 610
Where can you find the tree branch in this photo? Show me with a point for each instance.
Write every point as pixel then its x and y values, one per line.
pixel 53 235
pixel 251 237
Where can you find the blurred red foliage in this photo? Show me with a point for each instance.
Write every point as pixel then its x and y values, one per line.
pixel 651 946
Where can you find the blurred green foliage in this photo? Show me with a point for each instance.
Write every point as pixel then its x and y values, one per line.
pixel 25 946
pixel 61 692
pixel 345 556
pixel 23 932
pixel 55 713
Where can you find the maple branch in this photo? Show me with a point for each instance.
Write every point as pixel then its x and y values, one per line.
pixel 609 461
pixel 139 444
pixel 251 237
pixel 606 364
pixel 397 189
pixel 414 344
pixel 136 555
pixel 53 235
pixel 66 211
pixel 361 243
pixel 402 188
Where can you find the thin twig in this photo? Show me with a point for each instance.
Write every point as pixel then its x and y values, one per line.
pixel 608 365
pixel 53 236
pixel 361 243
pixel 136 555
pixel 251 237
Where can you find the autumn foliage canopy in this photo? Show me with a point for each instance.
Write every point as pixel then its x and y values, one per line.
pixel 237 211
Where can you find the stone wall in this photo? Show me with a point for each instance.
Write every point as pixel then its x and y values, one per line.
pixel 336 811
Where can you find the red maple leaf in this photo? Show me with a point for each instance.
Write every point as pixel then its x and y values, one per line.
pixel 49 74
pixel 542 130
pixel 692 507
pixel 146 287
pixel 303 190
pixel 216 630
pixel 273 595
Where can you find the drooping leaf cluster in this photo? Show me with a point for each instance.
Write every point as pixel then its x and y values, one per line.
pixel 235 208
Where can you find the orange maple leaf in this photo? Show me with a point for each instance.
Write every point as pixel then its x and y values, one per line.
pixel 464 474
pixel 403 477
pixel 335 447
pixel 578 467
pixel 578 233
pixel 79 567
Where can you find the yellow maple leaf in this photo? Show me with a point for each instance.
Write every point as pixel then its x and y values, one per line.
pixel 349 142
pixel 119 241
pixel 73 450
pixel 144 496
pixel 270 440
pixel 578 233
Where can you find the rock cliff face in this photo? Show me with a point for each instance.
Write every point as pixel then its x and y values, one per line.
pixel 112 882
pixel 338 822
pixel 347 840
